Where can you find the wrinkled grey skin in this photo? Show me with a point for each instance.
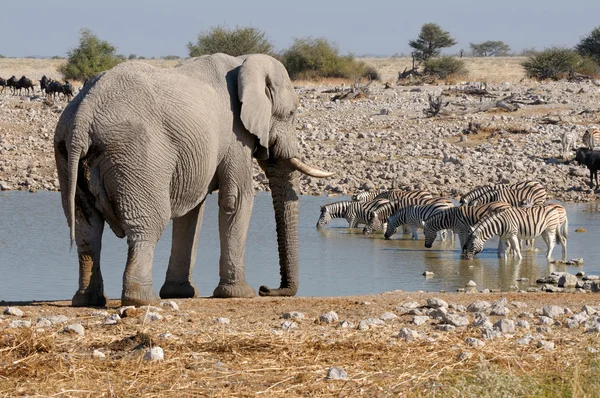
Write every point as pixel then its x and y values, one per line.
pixel 142 145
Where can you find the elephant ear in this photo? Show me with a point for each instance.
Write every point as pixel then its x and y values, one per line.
pixel 255 93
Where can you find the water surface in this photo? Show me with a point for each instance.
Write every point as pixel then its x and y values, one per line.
pixel 36 263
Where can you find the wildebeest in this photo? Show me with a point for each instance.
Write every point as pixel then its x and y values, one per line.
pixel 591 159
pixel 2 84
pixel 12 83
pixel 54 87
pixel 25 83
pixel 43 83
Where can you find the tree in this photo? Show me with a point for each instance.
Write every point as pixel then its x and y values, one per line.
pixel 589 46
pixel 430 42
pixel 90 58
pixel 310 58
pixel 235 42
pixel 490 48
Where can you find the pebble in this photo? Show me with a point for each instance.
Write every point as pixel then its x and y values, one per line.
pixel 478 306
pixel 329 317
pixel 288 325
pixel 505 326
pixel 455 320
pixel 365 324
pixel 75 328
pixel 547 345
pixel 293 315
pixel 154 354
pixel 346 325
pixel 336 373
pixel 152 316
pixel 18 323
pixel 98 354
pixel 388 316
pixel 14 311
pixel 553 311
pixel 409 334
pixel 436 303
pixel 473 342
pixel 222 321
pixel 112 319
pixel 420 319
pixel 170 304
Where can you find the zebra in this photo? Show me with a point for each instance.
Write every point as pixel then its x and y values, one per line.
pixel 514 224
pixel 333 210
pixel 459 219
pixel 380 214
pixel 535 194
pixel 468 197
pixel 414 216
pixel 391 194
pixel 569 141
pixel 591 138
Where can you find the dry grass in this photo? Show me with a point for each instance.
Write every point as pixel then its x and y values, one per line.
pixel 247 358
pixel 490 69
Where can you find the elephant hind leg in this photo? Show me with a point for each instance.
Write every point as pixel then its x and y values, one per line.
pixel 88 237
pixel 178 282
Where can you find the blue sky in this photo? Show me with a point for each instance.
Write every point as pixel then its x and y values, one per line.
pixel 158 28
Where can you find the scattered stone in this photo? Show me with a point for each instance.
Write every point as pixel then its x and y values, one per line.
pixel 288 325
pixel 329 317
pixel 346 325
pixel 553 311
pixel 592 350
pixel 523 324
pixel 481 320
pixel 56 319
pixel 524 341
pixel 165 336
pixel 446 328
pixel 43 323
pixel 366 323
pixel 568 280
pixel 473 342
pixel 335 373
pixel 465 355
pixel 543 329
pixel 222 321
pixel 478 306
pixel 293 315
pixel 170 304
pixel 112 319
pixel 544 320
pixel 152 316
pixel 488 332
pixel 505 326
pixel 471 284
pixel 436 303
pixel 388 316
pixel 571 323
pixel 100 313
pixel 14 311
pixel 547 345
pixel 420 319
pixel 75 328
pixel 98 354
pixel 131 312
pixel 154 354
pixel 409 334
pixel 591 277
pixel 580 230
pixel 499 311
pixel 18 323
pixel 455 320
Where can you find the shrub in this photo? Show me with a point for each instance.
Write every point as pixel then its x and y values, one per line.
pixel 313 58
pixel 490 48
pixel 589 46
pixel 430 42
pixel 171 57
pixel 444 67
pixel 555 63
pixel 90 58
pixel 235 42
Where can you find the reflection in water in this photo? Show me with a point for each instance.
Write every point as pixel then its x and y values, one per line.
pixel 36 262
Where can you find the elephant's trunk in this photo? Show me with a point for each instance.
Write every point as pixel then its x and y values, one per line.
pixel 284 184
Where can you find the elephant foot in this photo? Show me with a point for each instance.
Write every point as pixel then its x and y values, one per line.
pixel 83 299
pixel 240 289
pixel 282 291
pixel 178 290
pixel 138 296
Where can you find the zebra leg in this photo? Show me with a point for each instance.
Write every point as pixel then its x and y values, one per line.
pixel 549 236
pixel 406 229
pixel 513 242
pixel 415 234
pixel 443 235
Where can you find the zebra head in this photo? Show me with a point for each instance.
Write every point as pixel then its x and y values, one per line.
pixel 473 246
pixel 430 234
pixel 374 224
pixel 325 217
pixel 394 222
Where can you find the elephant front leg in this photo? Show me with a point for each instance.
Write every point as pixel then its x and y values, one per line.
pixel 88 235
pixel 235 208
pixel 178 283
pixel 137 279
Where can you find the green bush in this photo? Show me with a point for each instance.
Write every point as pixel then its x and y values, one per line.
pixel 314 58
pixel 235 42
pixel 90 58
pixel 557 63
pixel 171 57
pixel 444 67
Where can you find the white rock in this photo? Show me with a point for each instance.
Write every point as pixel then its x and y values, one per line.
pixel 473 342
pixel 547 345
pixel 112 319
pixel 152 316
pixel 293 315
pixel 329 317
pixel 409 334
pixel 505 326
pixel 288 325
pixel 98 354
pixel 18 323
pixel 75 328
pixel 420 319
pixel 388 316
pixel 14 311
pixel 436 303
pixel 223 321
pixel 553 311
pixel 478 306
pixel 154 354
pixel 170 304
pixel 335 373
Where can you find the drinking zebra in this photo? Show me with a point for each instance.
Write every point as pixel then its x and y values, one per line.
pixel 470 196
pixel 591 138
pixel 354 212
pixel 380 214
pixel 333 210
pixel 459 219
pixel 534 194
pixel 414 216
pixel 515 224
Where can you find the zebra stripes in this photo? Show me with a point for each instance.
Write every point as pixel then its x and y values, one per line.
pixel 459 219
pixel 360 212
pixel 591 138
pixel 380 214
pixel 533 194
pixel 414 216
pixel 515 224
pixel 391 194
pixel 569 141
pixel 479 191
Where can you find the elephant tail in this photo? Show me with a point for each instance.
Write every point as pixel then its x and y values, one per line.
pixel 75 152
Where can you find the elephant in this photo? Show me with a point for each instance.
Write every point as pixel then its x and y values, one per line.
pixel 140 146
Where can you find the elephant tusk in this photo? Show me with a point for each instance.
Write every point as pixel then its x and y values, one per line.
pixel 302 167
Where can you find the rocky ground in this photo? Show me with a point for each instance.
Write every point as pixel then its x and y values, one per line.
pixel 383 139
pixel 395 343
